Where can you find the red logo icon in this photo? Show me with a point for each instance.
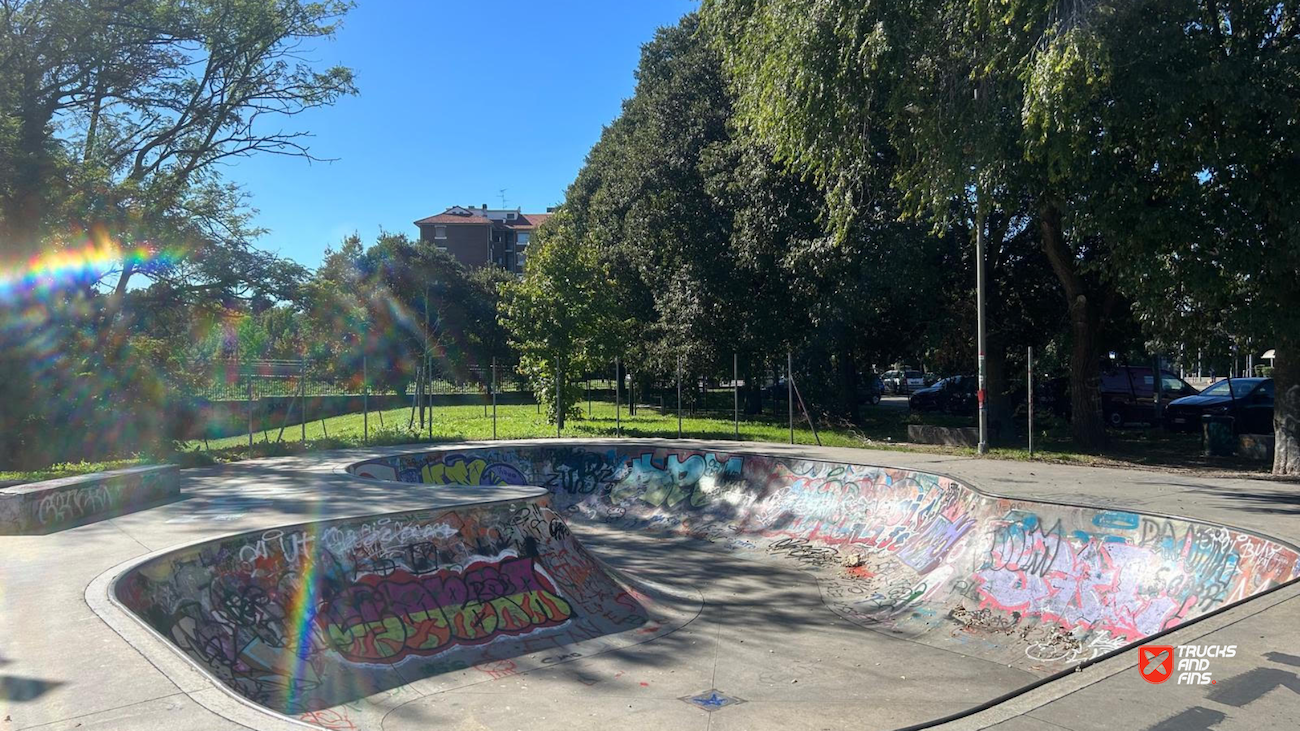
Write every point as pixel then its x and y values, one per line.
pixel 1156 662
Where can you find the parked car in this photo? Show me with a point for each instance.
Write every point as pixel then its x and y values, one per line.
pixel 954 395
pixel 904 381
pixel 1248 400
pixel 1126 394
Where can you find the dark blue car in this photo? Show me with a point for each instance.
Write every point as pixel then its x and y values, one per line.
pixel 1248 400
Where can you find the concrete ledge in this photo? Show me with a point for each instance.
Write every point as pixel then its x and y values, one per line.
pixel 1255 446
pixel 52 505
pixel 963 436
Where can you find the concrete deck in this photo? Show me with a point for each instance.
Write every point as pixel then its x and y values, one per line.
pixel 762 636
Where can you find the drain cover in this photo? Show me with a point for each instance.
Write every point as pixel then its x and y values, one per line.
pixel 712 700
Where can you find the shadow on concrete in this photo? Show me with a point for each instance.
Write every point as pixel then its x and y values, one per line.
pixel 19 689
pixel 1277 501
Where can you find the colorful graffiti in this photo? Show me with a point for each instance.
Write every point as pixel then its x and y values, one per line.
pixel 304 618
pixel 461 470
pixel 386 618
pixel 911 551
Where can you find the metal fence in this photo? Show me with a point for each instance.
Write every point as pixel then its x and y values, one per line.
pixel 231 380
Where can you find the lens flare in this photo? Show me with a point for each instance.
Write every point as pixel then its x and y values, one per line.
pixel 96 255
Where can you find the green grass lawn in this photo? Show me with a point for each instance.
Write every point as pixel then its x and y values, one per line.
pixel 458 423
pixel 881 428
pixel 69 469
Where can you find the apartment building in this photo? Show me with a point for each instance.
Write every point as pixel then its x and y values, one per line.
pixel 483 236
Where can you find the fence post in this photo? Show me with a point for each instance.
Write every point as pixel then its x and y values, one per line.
pixel 679 397
pixel 1030 376
pixel 618 413
pixel 559 417
pixel 789 387
pixel 494 397
pixel 302 388
pixel 250 412
pixel 735 392
pixel 365 401
pixel 1156 404
pixel 803 405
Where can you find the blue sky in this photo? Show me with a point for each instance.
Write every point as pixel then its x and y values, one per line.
pixel 458 100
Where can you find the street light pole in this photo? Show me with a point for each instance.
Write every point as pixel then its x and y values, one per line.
pixel 979 309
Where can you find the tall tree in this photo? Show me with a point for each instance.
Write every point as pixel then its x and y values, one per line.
pixel 117 113
pixel 838 87
pixel 561 315
pixel 1176 120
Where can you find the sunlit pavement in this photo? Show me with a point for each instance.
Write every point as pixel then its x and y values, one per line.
pixel 763 642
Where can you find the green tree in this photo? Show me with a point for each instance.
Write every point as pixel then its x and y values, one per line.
pixel 381 297
pixel 561 315
pixel 1176 121
pixel 924 97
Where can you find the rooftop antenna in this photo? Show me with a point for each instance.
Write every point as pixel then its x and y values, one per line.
pixel 502 193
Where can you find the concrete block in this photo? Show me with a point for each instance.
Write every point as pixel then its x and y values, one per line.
pixel 966 436
pixel 1255 446
pixel 51 505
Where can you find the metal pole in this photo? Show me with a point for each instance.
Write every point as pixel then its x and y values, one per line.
pixel 589 398
pixel 1156 405
pixel 425 388
pixel 811 424
pixel 735 392
pixel 494 397
pixel 679 397
pixel 365 401
pixel 250 412
pixel 1030 372
pixel 618 413
pixel 979 308
pixel 789 387
pixel 558 410
pixel 302 389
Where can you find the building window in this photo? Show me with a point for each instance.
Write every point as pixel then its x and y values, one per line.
pixel 522 240
pixel 440 232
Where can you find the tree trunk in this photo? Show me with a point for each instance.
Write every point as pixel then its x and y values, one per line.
pixel 1087 425
pixel 995 374
pixel 1286 408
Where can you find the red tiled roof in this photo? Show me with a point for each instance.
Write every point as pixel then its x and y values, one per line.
pixel 528 221
pixel 462 218
pixel 524 221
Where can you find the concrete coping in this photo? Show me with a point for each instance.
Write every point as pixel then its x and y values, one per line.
pixel 50 505
pixel 60 483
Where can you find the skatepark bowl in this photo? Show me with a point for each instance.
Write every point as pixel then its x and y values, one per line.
pixel 851 576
